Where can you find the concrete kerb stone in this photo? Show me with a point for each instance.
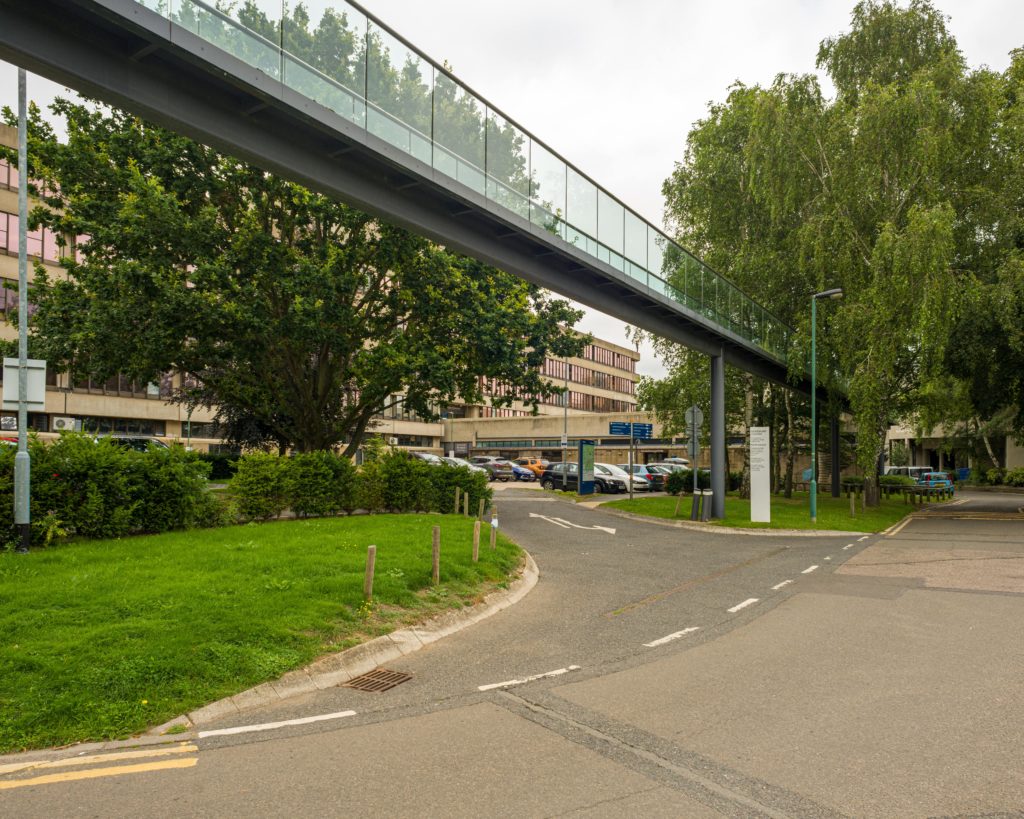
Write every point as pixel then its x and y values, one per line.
pixel 334 669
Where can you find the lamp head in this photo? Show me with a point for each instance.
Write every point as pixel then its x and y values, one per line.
pixel 834 293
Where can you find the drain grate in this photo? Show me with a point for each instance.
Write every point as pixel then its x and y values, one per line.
pixel 380 679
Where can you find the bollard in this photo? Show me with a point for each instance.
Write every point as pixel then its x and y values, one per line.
pixel 371 562
pixel 476 541
pixel 457 500
pixel 494 527
pixel 695 509
pixel 436 573
pixel 679 499
pixel 853 504
pixel 465 509
pixel 708 497
pixel 480 513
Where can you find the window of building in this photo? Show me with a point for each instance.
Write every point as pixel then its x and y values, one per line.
pixel 101 425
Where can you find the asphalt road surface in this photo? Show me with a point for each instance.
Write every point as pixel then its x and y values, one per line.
pixel 653 671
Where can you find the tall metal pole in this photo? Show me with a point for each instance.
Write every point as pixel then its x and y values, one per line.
pixel 565 414
pixel 814 411
pixel 718 476
pixel 22 462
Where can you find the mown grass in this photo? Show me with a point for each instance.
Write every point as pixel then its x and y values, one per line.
pixel 793 513
pixel 102 639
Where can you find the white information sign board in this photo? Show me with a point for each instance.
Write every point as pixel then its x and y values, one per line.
pixel 36 385
pixel 760 475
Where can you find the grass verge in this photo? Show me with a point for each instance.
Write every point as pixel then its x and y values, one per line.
pixel 792 513
pixel 104 638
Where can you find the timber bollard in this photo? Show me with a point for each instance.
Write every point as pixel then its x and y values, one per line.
pixel 465 509
pixel 436 573
pixel 371 562
pixel 679 499
pixel 480 513
pixel 458 500
pixel 494 527
pixel 853 504
pixel 476 541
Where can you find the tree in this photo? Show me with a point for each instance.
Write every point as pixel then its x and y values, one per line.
pixel 298 318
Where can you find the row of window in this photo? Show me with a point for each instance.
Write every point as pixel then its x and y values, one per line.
pixel 503 412
pixel 41 243
pixel 94 425
pixel 560 370
pixel 599 403
pixel 602 355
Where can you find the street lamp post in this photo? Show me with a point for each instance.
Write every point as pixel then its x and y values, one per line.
pixel 834 293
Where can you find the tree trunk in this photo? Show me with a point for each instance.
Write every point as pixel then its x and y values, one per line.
pixel 790 455
pixel 776 448
pixel 748 420
pixel 988 446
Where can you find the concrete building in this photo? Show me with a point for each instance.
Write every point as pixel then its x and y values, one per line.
pixel 929 448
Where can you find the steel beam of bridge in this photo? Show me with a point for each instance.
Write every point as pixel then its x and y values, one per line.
pixel 126 55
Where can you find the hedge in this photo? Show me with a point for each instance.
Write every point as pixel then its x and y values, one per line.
pixel 94 488
pixel 323 483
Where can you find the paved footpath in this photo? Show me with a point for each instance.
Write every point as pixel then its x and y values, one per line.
pixel 652 671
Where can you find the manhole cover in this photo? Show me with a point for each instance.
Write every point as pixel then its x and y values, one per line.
pixel 380 679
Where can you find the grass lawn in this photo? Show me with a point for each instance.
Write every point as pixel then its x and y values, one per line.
pixel 104 638
pixel 833 513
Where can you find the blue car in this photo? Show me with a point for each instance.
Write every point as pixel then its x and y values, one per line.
pixel 936 479
pixel 521 473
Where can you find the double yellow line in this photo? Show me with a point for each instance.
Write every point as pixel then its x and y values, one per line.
pixel 176 754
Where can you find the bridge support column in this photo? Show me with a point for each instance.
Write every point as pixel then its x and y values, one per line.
pixel 836 462
pixel 718 476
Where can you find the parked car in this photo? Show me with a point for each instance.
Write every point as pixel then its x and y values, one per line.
pixel 681 461
pixel 914 472
pixel 613 480
pixel 522 473
pixel 498 469
pixel 935 479
pixel 462 463
pixel 535 465
pixel 138 443
pixel 655 478
pixel 671 466
pixel 429 457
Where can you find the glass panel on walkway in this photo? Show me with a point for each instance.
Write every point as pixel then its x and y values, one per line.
pixel 399 88
pixel 508 165
pixel 458 133
pixel 250 31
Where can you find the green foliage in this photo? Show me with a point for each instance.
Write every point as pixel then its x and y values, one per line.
pixel 320 483
pixel 408 483
pixel 1014 477
pixel 262 486
pixel 222 464
pixel 94 488
pixel 889 480
pixel 900 454
pixel 681 480
pixel 995 477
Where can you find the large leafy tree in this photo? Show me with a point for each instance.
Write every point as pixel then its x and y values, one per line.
pixel 888 190
pixel 298 318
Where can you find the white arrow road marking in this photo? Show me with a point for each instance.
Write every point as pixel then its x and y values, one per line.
pixel 556 673
pixel 809 569
pixel 778 586
pixel 673 636
pixel 568 524
pixel 748 602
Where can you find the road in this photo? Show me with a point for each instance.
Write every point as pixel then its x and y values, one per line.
pixel 653 671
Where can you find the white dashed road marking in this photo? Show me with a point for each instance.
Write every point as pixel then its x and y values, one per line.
pixel 778 586
pixel 269 726
pixel 862 538
pixel 848 546
pixel 508 683
pixel 748 602
pixel 809 569
pixel 673 636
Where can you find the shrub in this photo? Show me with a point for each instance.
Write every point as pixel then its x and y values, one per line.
pixel 853 482
pixel 370 487
pixel 734 482
pixel 222 464
pixel 408 483
pixel 170 487
pixel 995 476
pixel 681 480
pixel 320 483
pixel 261 486
pixel 446 478
pixel 1015 477
pixel 894 480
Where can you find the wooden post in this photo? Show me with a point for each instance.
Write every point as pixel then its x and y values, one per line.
pixel 371 562
pixel 476 541
pixel 465 505
pixel 458 503
pixel 853 504
pixel 437 555
pixel 480 513
pixel 679 498
pixel 494 528
pixel 863 500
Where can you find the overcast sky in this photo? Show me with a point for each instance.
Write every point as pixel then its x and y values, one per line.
pixel 615 85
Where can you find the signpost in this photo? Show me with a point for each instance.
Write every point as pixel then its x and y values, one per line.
pixel 760 475
pixel 637 432
pixel 694 422
pixel 586 462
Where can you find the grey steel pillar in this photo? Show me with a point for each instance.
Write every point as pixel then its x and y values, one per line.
pixel 22 461
pixel 718 477
pixel 836 461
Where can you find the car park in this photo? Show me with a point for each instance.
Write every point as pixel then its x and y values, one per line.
pixel 561 476
pixel 611 479
pixel 522 473
pixel 498 469
pixel 671 466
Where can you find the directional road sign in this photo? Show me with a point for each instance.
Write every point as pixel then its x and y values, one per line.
pixel 631 429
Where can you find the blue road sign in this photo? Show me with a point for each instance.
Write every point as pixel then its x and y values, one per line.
pixel 630 429
pixel 643 430
pixel 618 428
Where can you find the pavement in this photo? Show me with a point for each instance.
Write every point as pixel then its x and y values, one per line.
pixel 651 670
